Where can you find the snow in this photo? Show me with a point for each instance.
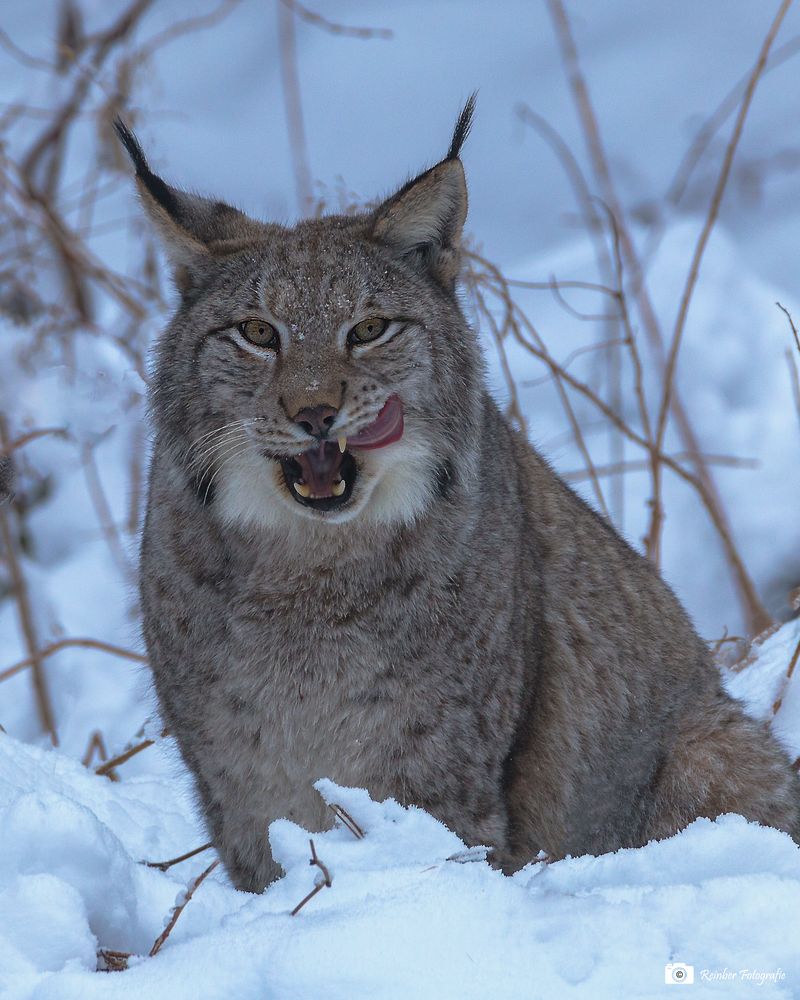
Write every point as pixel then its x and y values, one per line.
pixel 409 912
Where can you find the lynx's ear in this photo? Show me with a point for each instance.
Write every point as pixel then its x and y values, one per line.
pixel 424 220
pixel 192 229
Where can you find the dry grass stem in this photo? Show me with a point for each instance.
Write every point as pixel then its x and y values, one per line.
pixel 177 910
pixel 347 820
pixel 294 106
pixel 56 647
pixel 332 27
pixel 121 758
pixel 702 242
pixel 97 494
pixel 163 866
pixel 25 613
pixel 324 881
pixel 776 707
pixel 752 607
pixel 113 961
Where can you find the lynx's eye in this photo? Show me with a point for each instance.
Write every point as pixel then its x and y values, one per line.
pixel 367 330
pixel 259 333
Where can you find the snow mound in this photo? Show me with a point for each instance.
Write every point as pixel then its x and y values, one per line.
pixel 409 911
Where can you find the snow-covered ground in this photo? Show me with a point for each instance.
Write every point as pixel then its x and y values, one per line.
pixel 400 919
pixel 408 913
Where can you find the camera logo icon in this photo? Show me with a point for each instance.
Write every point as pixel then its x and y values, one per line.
pixel 678 972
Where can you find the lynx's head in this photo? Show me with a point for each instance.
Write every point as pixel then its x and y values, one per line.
pixel 322 371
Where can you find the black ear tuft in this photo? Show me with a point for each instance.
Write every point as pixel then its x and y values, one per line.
pixel 131 144
pixel 158 189
pixel 463 127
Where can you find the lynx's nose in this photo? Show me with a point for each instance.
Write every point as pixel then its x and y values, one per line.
pixel 316 420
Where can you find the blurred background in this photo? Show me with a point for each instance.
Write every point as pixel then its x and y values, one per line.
pixel 634 173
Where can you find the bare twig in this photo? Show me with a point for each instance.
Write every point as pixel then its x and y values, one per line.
pixel 97 495
pixel 112 961
pixel 34 435
pixel 794 378
pixel 103 44
pixel 694 268
pixel 55 647
pixel 793 328
pixel 776 707
pixel 110 765
pixel 323 882
pixel 641 465
pixel 25 614
pixel 705 134
pixel 188 26
pixel 294 106
pixel 32 62
pixel 178 909
pixel 563 397
pixel 332 27
pixel 344 817
pixel 165 865
pixel 756 614
pixel 96 745
pixel 520 325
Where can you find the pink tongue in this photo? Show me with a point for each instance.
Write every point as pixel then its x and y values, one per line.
pixel 385 429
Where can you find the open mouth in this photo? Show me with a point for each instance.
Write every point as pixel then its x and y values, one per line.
pixel 323 477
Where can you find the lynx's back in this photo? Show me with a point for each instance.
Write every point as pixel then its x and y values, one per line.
pixel 353 567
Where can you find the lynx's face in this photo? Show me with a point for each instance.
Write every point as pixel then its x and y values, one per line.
pixel 317 378
pixel 322 372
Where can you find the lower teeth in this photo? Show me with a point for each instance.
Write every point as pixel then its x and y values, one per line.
pixel 337 489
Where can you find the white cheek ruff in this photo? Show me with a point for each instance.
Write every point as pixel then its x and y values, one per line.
pixel 394 486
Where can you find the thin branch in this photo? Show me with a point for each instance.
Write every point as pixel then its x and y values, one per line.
pixel 25 614
pixel 112 961
pixel 584 317
pixel 641 465
pixel 573 356
pixel 165 865
pixel 562 394
pixel 102 47
pixel 187 26
pixel 324 882
pixel 794 378
pixel 34 435
pixel 757 616
pixel 178 909
pixel 122 758
pixel 694 268
pixel 55 647
pixel 793 328
pixel 96 745
pixel 294 106
pixel 94 485
pixel 536 347
pixel 32 62
pixel 547 286
pixel 515 412
pixel 311 17
pixel 776 707
pixel 705 134
pixel 343 816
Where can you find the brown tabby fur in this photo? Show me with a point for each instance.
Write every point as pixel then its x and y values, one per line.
pixel 465 633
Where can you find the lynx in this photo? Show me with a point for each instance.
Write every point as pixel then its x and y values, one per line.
pixel 353 567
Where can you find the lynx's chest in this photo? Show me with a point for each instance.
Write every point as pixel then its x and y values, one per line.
pixel 303 698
